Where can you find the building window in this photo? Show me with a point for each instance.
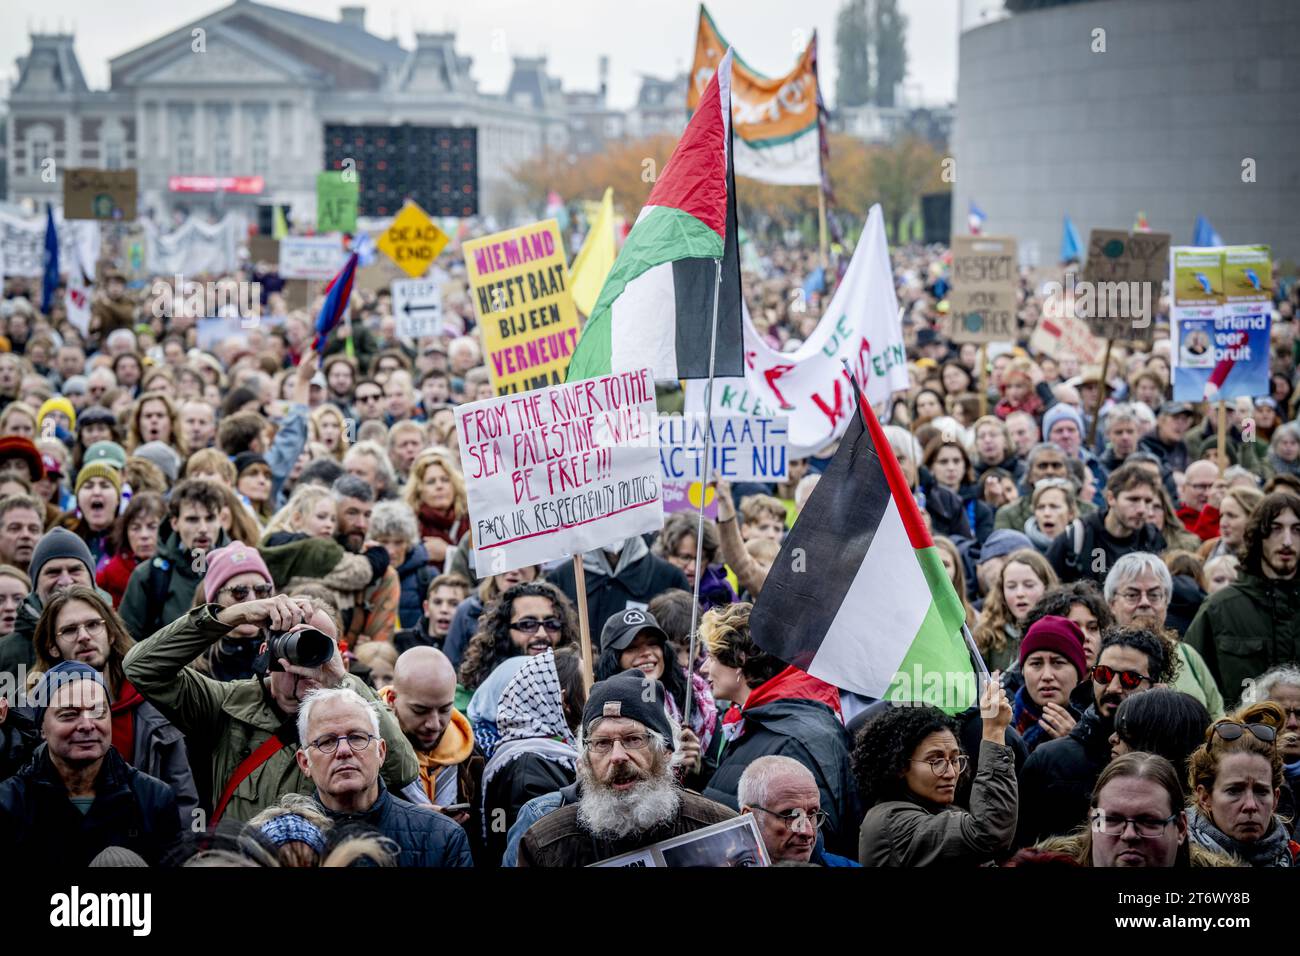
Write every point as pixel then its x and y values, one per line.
pixel 260 138
pixel 40 150
pixel 114 144
pixel 182 128
pixel 222 162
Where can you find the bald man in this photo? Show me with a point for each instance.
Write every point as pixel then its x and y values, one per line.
pixel 420 697
pixel 1202 493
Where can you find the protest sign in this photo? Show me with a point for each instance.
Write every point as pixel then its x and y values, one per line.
pixel 212 331
pixel 560 470
pixel 1123 275
pixel 860 325
pixel 264 249
pixel 310 257
pixel 985 280
pixel 417 306
pixel 1220 321
pixel 99 193
pixel 520 288
pixel 413 241
pixel 1059 333
pixel 337 194
pixel 737 842
pixel 741 448
pixel 685 496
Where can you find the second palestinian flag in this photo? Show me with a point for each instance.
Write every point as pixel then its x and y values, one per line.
pixel 858 595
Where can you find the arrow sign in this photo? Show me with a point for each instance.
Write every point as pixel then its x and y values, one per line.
pixel 417 306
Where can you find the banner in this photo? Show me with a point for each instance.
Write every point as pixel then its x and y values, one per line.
pixel 412 240
pixel 1221 310
pixel 194 248
pixel 985 283
pixel 1061 333
pixel 809 386
pixel 336 201
pixel 310 257
pixel 99 193
pixel 685 496
pixel 775 119
pixel 741 448
pixel 560 470
pixel 520 288
pixel 737 842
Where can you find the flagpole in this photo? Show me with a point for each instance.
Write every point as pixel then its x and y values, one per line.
pixel 705 470
pixel 584 624
pixel 976 657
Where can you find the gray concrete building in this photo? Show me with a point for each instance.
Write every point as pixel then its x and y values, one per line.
pixel 1157 112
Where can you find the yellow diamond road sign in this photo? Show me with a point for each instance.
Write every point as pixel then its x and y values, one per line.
pixel 413 241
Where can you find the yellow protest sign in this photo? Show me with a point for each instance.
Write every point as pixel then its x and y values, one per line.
pixel 523 304
pixel 413 241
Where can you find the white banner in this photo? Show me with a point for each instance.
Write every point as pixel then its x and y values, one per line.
pixel 810 386
pixel 22 244
pixel 741 448
pixel 560 470
pixel 310 257
pixel 193 249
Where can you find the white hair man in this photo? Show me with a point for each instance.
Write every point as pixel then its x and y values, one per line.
pixel 782 794
pixel 341 751
pixel 368 461
pixel 1139 589
pixel 629 796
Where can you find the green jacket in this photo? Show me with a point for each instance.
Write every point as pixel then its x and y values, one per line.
pixel 1248 627
pixel 185 574
pixel 231 720
pixel 1195 680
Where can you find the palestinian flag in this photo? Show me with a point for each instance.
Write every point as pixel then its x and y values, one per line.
pixel 656 306
pixel 858 596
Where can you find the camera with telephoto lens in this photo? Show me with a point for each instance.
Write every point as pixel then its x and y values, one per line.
pixel 305 648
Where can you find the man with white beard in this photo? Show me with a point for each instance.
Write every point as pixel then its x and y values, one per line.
pixel 629 796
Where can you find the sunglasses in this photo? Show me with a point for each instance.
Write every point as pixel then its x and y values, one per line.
pixel 1127 679
pixel 530 625
pixel 1231 730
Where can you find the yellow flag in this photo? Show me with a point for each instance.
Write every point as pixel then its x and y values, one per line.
pixel 596 258
pixel 279 228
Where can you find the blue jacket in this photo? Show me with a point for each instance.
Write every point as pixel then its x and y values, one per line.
pixel 426 838
pixel 290 439
pixel 415 575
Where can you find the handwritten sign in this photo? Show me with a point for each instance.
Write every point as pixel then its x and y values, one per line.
pixel 310 257
pixel 337 193
pixel 741 448
pixel 985 279
pixel 560 470
pixel 413 241
pixel 520 288
pixel 1059 332
pixel 99 194
pixel 1131 258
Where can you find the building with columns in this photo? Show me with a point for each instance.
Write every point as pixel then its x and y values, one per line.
pixel 228 111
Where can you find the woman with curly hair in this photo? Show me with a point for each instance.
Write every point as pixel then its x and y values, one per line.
pixel 436 493
pixel 1237 778
pixel 1023 580
pixel 908 763
pixel 528 619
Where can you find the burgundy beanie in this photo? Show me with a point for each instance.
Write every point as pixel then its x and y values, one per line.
pixel 1059 635
pixel 224 563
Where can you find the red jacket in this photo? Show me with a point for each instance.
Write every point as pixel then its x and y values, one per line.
pixel 1204 523
pixel 113 577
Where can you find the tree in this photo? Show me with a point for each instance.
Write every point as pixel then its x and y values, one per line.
pixel 853 83
pixel 890 38
pixel 901 173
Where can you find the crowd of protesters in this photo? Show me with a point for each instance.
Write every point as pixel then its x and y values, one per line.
pixel 241 624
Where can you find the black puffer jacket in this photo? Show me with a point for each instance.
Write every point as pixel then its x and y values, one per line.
pixel 39 822
pixel 1056 783
pixel 18 739
pixel 426 838
pixel 528 775
pixel 810 732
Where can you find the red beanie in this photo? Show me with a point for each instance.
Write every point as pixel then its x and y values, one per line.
pixel 1059 635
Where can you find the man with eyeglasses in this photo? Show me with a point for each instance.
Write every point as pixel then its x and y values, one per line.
pixel 250 726
pixel 78 796
pixel 782 793
pixel 236 574
pixel 629 797
pixel 1253 624
pixel 341 752
pixel 1199 511
pixel 59 560
pixel 1057 780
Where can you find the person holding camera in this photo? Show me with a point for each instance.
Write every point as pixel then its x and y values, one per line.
pixel 249 726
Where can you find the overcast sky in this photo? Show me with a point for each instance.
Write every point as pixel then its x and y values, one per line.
pixel 639 36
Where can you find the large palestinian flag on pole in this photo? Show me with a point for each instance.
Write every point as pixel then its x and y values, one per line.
pixel 858 595
pixel 656 307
